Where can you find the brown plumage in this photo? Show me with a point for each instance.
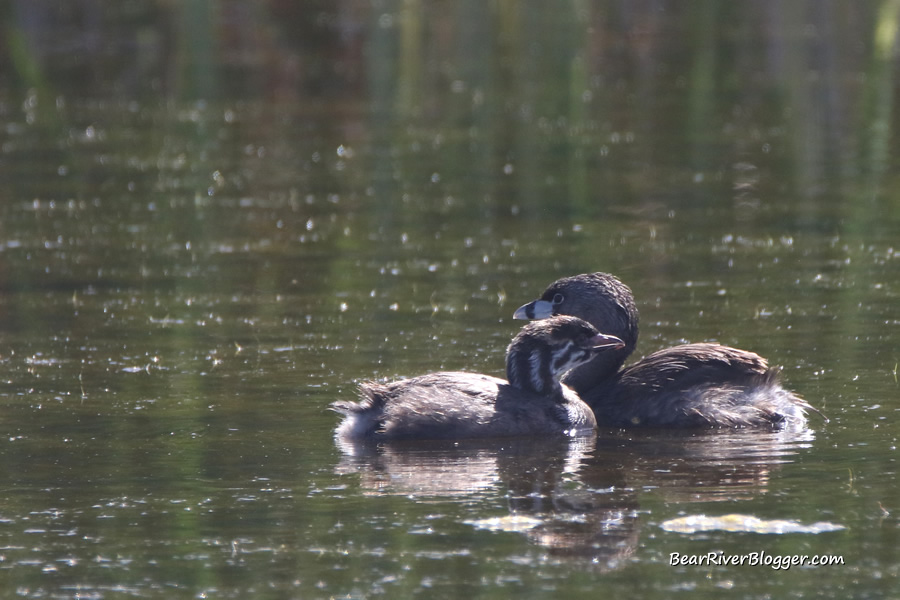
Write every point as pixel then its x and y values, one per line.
pixel 468 405
pixel 692 385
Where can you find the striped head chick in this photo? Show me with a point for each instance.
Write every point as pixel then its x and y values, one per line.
pixel 545 350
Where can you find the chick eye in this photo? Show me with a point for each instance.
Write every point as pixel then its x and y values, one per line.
pixel 558 299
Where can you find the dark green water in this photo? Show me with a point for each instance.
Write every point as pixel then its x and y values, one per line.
pixel 206 243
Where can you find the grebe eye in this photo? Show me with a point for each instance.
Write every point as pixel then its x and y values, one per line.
pixel 558 299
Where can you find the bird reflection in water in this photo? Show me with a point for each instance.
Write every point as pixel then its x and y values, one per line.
pixel 578 498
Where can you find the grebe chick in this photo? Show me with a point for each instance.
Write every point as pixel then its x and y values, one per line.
pixel 461 405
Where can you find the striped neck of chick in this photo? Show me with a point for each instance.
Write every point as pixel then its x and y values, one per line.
pixel 545 350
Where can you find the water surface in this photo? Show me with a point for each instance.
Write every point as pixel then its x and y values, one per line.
pixel 198 255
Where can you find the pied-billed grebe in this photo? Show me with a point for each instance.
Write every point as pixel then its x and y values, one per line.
pixel 692 385
pixel 468 405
